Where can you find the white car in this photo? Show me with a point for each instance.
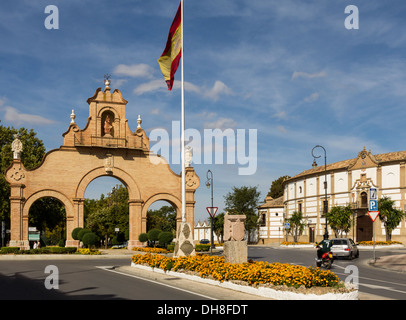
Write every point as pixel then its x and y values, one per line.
pixel 344 247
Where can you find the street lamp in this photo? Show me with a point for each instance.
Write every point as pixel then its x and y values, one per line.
pixel 325 206
pixel 209 185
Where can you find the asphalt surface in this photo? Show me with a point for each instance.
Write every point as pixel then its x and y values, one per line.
pixel 109 277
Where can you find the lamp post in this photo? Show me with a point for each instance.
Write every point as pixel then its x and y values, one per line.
pixel 325 206
pixel 209 184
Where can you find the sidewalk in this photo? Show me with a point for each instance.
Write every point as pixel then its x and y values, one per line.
pixel 392 262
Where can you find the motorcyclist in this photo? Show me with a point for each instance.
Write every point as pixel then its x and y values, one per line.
pixel 324 246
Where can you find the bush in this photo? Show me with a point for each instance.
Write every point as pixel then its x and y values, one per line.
pixel 202 247
pixel 7 250
pixel 55 250
pixel 153 235
pixel 115 241
pixel 61 243
pixel 75 233
pixel 90 239
pixel 143 237
pixel 82 233
pixel 165 238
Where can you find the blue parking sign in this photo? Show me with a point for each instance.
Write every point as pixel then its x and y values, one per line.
pixel 373 205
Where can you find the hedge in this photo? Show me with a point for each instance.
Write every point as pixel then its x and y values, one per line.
pixel 90 239
pixel 202 247
pixel 44 250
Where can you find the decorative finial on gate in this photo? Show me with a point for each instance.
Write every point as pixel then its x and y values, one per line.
pixel 139 121
pixel 72 117
pixel 107 81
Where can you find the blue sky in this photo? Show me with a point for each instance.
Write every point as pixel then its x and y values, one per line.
pixel 289 69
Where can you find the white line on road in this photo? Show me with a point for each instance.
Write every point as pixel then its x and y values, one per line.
pixel 108 268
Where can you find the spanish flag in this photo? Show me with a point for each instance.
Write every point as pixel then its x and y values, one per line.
pixel 169 60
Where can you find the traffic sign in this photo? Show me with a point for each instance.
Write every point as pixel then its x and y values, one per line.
pixel 373 205
pixel 373 194
pixel 287 225
pixel 212 211
pixel 373 215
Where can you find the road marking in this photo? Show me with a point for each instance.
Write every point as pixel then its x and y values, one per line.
pixel 110 269
pixel 381 287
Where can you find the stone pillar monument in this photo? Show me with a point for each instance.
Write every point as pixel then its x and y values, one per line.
pixel 235 248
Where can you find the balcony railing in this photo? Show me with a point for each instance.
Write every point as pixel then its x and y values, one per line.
pixel 107 142
pixel 359 205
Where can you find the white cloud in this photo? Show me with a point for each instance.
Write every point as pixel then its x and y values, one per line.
pixel 298 74
pixel 14 116
pixel 153 85
pixel 280 115
pixel 313 97
pixel 218 89
pixel 221 123
pixel 281 129
pixel 134 71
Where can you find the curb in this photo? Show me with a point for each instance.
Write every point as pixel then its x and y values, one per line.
pixel 15 257
pixel 260 291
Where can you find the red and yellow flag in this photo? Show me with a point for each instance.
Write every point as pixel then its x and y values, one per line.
pixel 169 60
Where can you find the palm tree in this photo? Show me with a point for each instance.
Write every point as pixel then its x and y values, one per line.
pixel 389 215
pixel 296 225
pixel 339 219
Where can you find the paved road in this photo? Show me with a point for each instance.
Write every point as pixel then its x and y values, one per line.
pixel 96 280
pixel 101 279
pixel 373 282
pixel 82 279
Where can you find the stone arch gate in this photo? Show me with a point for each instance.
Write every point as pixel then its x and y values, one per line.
pixel 105 147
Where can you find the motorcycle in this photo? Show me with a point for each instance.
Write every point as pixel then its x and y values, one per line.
pixel 326 260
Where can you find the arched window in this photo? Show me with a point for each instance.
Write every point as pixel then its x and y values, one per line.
pixel 364 200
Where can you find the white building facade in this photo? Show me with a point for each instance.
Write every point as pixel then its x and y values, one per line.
pixel 271 221
pixel 202 231
pixel 348 182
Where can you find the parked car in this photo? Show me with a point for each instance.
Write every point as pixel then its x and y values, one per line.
pixel 204 241
pixel 344 247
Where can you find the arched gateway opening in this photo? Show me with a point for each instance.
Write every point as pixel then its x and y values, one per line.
pixel 105 147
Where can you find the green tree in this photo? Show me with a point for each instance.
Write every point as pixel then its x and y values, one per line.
pixel 31 157
pixel 218 226
pixel 276 189
pixel 245 201
pixel 389 215
pixel 163 219
pixel 104 215
pixel 153 235
pixel 165 237
pixel 296 225
pixel 102 222
pixel 339 219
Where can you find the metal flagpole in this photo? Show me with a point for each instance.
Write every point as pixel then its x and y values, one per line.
pixel 183 125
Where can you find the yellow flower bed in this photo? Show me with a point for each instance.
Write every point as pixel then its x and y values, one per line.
pixel 151 250
pixel 87 251
pixel 293 243
pixel 378 243
pixel 256 273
